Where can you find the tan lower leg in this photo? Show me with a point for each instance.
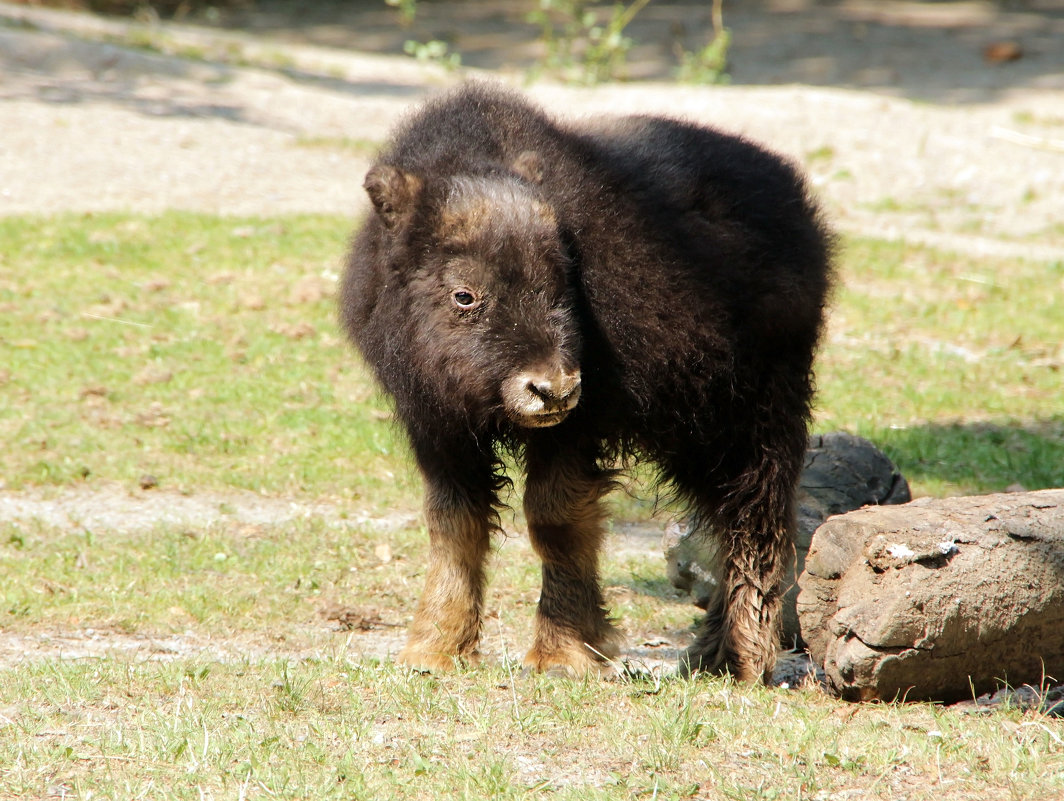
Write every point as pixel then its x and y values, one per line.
pixel 446 624
pixel 573 631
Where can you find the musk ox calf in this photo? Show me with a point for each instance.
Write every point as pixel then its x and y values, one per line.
pixel 578 295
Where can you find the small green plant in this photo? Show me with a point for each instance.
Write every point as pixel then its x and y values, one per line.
pixel 434 52
pixel 708 65
pixel 578 47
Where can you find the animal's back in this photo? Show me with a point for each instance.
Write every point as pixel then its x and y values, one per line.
pixel 474 129
pixel 691 248
pixel 701 259
pixel 736 217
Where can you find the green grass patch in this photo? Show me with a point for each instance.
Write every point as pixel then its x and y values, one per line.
pixel 820 154
pixel 226 578
pixel 205 352
pixel 295 583
pixel 952 364
pixel 361 147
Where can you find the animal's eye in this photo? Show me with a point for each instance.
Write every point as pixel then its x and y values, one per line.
pixel 464 299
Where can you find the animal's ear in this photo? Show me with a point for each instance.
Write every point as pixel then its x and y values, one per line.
pixel 392 191
pixel 529 165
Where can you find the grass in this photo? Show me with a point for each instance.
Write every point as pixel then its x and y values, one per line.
pixel 233 578
pixel 362 147
pixel 204 351
pixel 328 728
pixel 201 351
pixel 953 365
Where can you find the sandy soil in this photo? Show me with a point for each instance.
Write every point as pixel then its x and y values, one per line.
pixel 906 129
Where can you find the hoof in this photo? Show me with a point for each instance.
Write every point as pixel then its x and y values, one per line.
pixel 425 660
pixel 693 662
pixel 574 662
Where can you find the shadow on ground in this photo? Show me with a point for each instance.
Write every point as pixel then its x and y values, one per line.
pixel 935 51
pixel 980 457
pixel 66 70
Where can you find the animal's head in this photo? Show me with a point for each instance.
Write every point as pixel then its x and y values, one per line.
pixel 490 318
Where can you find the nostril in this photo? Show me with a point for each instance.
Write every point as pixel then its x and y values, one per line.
pixel 542 389
pixel 554 389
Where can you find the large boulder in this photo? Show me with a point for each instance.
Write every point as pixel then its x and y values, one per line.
pixel 842 472
pixel 939 599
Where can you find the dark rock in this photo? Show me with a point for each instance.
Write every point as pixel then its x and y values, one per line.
pixel 939 599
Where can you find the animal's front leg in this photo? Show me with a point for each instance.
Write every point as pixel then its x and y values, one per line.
pixel 562 505
pixel 446 625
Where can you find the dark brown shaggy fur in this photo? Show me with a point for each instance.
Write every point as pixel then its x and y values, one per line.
pixel 581 295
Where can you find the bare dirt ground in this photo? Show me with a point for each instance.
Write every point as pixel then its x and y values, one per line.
pixel 906 128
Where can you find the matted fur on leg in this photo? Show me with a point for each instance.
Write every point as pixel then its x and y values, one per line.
pixel 741 630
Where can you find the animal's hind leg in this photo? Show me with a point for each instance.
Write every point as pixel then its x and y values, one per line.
pixel 565 523
pixel 753 518
pixel 740 632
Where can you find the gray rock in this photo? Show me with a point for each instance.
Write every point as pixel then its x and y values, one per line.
pixel 939 599
pixel 842 472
